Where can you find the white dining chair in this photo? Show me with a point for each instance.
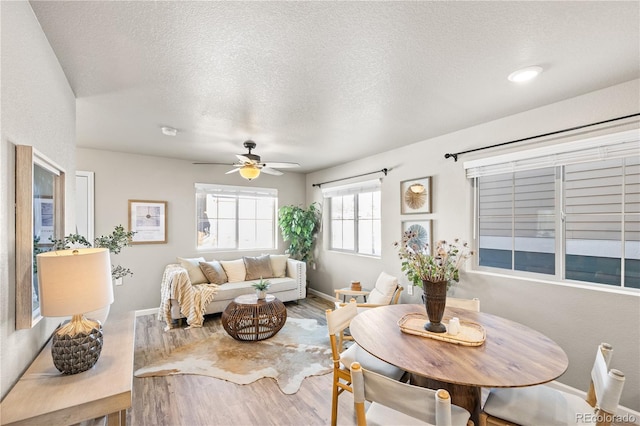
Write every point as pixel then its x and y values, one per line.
pixel 544 405
pixel 337 321
pixel 397 403
pixel 470 304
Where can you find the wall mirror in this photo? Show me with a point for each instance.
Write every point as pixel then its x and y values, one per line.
pixel 39 220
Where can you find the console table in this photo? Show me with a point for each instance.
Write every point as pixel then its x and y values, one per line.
pixel 44 396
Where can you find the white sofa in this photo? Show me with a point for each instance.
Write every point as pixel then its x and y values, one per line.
pixel 291 287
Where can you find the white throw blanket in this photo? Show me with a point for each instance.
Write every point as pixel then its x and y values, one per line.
pixel 193 299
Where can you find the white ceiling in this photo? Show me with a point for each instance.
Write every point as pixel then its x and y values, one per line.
pixel 322 83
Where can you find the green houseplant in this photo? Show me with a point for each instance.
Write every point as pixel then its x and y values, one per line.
pixel 114 242
pixel 299 226
pixel 261 288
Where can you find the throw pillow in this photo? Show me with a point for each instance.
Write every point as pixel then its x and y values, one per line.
pixel 383 291
pixel 258 267
pixel 279 265
pixel 192 265
pixel 234 269
pixel 214 272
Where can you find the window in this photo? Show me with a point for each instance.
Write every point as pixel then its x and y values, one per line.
pixel 569 212
pixel 230 217
pixel 355 217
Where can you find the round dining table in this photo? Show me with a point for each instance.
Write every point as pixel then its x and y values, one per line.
pixel 512 354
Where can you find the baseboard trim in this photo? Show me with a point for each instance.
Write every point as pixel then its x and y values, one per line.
pixel 142 312
pixel 321 295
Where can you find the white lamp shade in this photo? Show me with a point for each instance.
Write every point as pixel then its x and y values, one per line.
pixel 75 281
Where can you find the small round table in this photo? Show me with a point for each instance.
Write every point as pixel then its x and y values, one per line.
pixel 346 291
pixel 248 318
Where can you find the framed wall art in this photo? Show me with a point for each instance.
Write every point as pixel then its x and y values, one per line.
pixel 39 220
pixel 415 196
pixel 148 219
pixel 422 229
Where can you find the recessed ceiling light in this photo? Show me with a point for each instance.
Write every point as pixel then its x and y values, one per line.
pixel 169 131
pixel 525 74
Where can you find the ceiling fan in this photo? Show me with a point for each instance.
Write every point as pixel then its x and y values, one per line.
pixel 250 165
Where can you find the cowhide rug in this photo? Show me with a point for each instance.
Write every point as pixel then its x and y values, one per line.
pixel 300 349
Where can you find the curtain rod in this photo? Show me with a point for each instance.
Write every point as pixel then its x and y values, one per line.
pixel 385 171
pixel 455 155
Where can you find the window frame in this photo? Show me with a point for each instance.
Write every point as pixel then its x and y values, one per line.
pixel 236 193
pixel 611 146
pixel 354 190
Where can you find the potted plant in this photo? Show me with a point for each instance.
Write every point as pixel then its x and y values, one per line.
pixel 433 272
pixel 261 288
pixel 299 226
pixel 114 242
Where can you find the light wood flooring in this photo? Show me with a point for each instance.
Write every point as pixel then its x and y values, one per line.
pixel 193 400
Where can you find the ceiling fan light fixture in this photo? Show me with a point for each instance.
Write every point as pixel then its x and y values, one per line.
pixel 525 74
pixel 249 172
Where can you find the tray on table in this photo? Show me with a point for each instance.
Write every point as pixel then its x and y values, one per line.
pixel 471 333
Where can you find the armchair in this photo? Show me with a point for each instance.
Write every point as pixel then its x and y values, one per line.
pixel 385 292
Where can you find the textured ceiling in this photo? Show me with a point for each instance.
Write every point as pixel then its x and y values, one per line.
pixel 322 83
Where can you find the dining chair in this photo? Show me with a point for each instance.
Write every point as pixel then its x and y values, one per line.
pixel 337 321
pixel 470 304
pixel 544 405
pixel 397 403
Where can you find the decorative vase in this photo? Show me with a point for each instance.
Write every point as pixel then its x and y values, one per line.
pixel 262 294
pixel 435 300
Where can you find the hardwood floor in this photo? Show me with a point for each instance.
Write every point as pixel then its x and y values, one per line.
pixel 193 400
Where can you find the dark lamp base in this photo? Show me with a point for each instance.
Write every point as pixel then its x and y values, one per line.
pixel 76 346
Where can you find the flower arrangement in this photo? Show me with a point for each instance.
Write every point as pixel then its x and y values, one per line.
pixel 419 264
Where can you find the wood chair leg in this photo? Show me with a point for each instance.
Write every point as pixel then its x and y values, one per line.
pixel 334 402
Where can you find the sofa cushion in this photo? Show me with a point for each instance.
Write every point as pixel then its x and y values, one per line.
pixel 279 265
pixel 257 267
pixel 234 269
pixel 192 265
pixel 383 291
pixel 232 290
pixel 214 272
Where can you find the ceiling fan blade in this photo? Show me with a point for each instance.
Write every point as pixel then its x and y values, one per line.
pixel 215 164
pixel 270 171
pixel 232 171
pixel 281 165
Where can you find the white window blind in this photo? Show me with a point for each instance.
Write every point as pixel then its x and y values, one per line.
pixel 235 191
pixel 615 145
pixel 352 188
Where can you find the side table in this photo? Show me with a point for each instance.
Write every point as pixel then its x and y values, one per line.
pixel 44 396
pixel 248 318
pixel 346 291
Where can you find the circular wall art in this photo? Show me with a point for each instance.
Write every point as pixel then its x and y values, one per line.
pixel 415 196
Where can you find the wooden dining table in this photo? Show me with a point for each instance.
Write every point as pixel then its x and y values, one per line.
pixel 512 354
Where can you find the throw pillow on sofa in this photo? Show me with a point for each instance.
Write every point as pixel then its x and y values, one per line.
pixel 257 267
pixel 279 265
pixel 234 269
pixel 214 272
pixel 192 265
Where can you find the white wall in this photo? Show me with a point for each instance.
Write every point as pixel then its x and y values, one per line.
pixel 38 109
pixel 122 177
pixel 577 319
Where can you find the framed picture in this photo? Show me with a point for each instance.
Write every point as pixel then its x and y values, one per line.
pixel 422 229
pixel 415 196
pixel 39 220
pixel 148 219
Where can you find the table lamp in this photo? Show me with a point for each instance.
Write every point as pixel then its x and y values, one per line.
pixel 73 282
